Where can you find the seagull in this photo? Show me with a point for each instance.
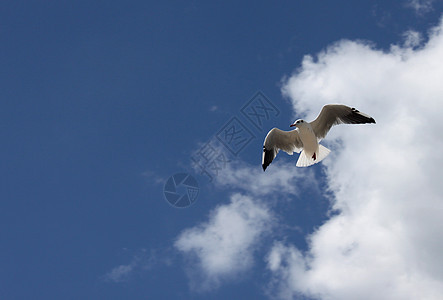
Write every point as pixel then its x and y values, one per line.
pixel 306 136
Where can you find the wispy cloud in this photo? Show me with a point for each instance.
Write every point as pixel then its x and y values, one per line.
pixel 280 178
pixel 141 261
pixel 412 39
pixel 420 6
pixel 153 178
pixel 120 273
pixel 385 242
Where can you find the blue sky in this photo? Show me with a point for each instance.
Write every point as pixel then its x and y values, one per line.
pixel 102 102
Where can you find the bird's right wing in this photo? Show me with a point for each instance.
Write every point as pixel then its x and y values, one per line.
pixel 276 139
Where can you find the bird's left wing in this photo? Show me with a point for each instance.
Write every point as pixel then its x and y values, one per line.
pixel 276 139
pixel 334 114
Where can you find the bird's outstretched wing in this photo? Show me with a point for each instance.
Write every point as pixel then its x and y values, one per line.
pixel 276 139
pixel 334 114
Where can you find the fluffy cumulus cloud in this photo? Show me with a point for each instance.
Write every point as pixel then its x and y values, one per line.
pixel 223 247
pixel 386 241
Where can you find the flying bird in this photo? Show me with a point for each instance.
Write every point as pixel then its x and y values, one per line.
pixel 305 137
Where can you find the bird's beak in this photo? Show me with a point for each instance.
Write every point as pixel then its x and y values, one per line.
pixel 292 125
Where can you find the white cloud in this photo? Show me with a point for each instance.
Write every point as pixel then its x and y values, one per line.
pixel 120 273
pixel 153 178
pixel 420 6
pixel 142 260
pixel 412 39
pixel 279 177
pixel 223 247
pixel 386 241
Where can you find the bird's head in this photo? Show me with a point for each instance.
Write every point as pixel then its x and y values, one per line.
pixel 298 123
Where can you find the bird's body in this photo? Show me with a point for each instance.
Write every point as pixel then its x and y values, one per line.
pixel 309 140
pixel 306 136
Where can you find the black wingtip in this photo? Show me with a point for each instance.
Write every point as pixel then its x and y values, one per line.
pixel 357 117
pixel 268 156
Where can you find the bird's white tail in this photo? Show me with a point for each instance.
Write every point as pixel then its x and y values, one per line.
pixel 305 161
